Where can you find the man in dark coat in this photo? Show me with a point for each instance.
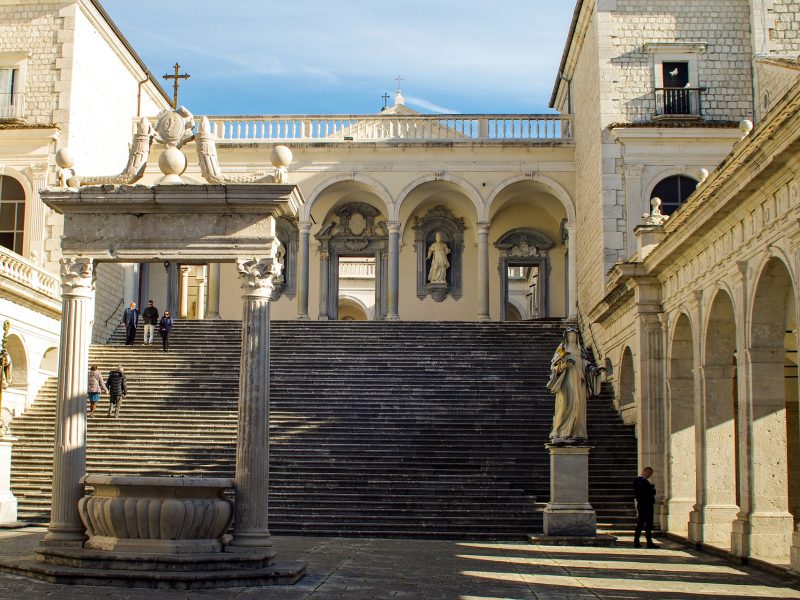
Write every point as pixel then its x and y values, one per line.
pixel 645 502
pixel 131 319
pixel 117 385
pixel 150 317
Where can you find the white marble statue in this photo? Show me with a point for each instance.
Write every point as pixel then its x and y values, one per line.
pixel 439 263
pixel 206 143
pixel 574 377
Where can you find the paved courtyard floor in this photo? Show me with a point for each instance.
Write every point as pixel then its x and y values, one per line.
pixel 356 569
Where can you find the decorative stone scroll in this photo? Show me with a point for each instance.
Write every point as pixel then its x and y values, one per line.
pixel 450 229
pixel 524 247
pixel 353 230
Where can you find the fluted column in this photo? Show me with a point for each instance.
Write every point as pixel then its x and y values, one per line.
pixel 212 309
pixel 183 312
pixel 483 271
pixel 302 271
pixel 392 297
pixel 69 458
pixel 250 530
pixel 172 288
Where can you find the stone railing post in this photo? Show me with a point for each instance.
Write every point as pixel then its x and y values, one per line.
pixel 394 271
pixel 250 527
pixel 69 459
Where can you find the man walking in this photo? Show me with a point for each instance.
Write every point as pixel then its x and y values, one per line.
pixel 117 385
pixel 150 316
pixel 131 319
pixel 645 502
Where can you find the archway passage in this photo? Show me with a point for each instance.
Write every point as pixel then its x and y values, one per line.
pixel 352 310
pixel 356 288
pixel 682 468
pixel 626 388
pixel 772 463
pixel 717 505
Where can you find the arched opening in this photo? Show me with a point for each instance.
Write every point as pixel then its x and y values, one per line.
pixel 19 359
pixel 12 214
pixel 352 310
pixel 626 389
pixel 513 313
pixel 680 385
pixel 774 429
pixel 49 362
pixel 673 191
pixel 717 486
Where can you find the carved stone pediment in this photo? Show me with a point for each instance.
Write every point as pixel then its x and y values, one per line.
pixel 524 243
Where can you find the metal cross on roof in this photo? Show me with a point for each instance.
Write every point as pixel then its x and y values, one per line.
pixel 177 76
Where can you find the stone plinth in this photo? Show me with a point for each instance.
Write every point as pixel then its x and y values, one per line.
pixel 8 503
pixel 156 514
pixel 569 513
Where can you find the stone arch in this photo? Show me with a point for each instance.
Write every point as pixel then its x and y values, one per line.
pixel 555 188
pixel 626 388
pixel 349 304
pixel 717 486
pixel 657 179
pixel 49 362
pixel 681 440
pixel 773 490
pixel 373 185
pixel 464 186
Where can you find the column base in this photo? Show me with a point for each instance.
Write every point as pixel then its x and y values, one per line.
pixel 252 542
pixel 64 537
pixel 765 536
pixel 303 318
pixel 713 525
pixel 392 318
pixel 212 317
pixel 676 515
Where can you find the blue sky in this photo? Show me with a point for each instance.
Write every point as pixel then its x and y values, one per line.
pixel 324 57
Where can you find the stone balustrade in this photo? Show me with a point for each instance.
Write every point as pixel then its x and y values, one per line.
pixel 15 268
pixel 356 269
pixel 375 128
pixel 156 514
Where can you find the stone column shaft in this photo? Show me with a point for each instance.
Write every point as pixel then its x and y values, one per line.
pixel 184 307
pixel 173 283
pixel 212 310
pixel 69 458
pixel 483 271
pixel 302 271
pixel 572 273
pixel 201 295
pixel 392 299
pixel 251 532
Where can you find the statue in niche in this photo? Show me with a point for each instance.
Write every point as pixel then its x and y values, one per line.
pixel 574 377
pixel 439 263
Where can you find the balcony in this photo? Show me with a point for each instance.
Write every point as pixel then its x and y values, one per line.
pixel 466 129
pixel 357 268
pixel 678 103
pixel 28 281
pixel 12 107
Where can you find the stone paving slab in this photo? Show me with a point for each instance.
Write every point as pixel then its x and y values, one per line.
pixel 372 569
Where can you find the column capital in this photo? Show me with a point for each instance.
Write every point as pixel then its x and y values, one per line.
pixel 483 227
pixel 304 226
pixel 393 226
pixel 77 276
pixel 257 275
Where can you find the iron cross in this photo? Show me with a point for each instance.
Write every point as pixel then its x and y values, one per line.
pixel 385 100
pixel 177 76
pixel 399 81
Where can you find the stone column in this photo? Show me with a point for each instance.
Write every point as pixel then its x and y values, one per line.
pixel 572 272
pixel 69 459
pixel 172 288
pixel 250 530
pixel 201 294
pixel 183 311
pixel 483 271
pixel 212 310
pixel 144 284
pixel 324 279
pixel 633 204
pixel 392 297
pixel 302 271
pixel 712 519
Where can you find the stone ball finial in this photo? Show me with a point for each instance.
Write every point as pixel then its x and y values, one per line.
pixel 655 202
pixel 172 163
pixel 745 126
pixel 280 156
pixel 64 159
pixel 73 182
pixel 702 174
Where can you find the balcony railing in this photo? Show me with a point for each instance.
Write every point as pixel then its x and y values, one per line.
pixel 356 269
pixel 12 106
pixel 30 275
pixel 375 128
pixel 678 102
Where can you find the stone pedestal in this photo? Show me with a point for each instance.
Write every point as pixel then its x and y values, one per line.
pixel 8 503
pixel 569 513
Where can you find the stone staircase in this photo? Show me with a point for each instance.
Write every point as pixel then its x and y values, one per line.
pixel 382 429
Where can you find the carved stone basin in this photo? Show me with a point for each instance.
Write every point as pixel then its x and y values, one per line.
pixel 173 515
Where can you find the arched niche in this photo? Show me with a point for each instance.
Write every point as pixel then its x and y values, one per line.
pixel 19 361
pixel 286 232
pixel 439 220
pixel 353 229
pixel 524 247
pixel 627 380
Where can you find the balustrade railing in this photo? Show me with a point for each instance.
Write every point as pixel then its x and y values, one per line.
pixel 678 102
pixel 358 128
pixel 356 270
pixel 28 274
pixel 12 106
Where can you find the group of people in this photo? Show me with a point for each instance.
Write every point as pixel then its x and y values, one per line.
pixel 116 387
pixel 150 319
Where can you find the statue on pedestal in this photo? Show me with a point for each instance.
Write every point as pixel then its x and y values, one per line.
pixel 574 377
pixel 439 264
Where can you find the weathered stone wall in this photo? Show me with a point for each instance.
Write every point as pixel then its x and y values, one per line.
pixel 723 67
pixel 784 36
pixel 109 304
pixel 34 28
pixel 773 83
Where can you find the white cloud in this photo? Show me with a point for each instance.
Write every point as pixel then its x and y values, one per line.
pixel 414 101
